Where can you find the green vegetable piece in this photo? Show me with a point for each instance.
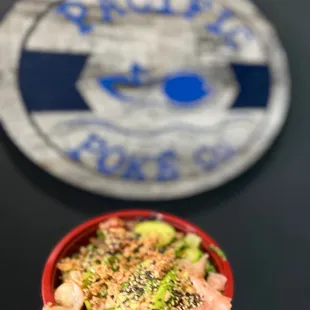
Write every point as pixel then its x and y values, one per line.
pixel 192 254
pixel 100 235
pixel 112 261
pixel 87 275
pixel 179 248
pixel 218 251
pixel 166 286
pixel 91 247
pixel 88 305
pixel 210 267
pixel 103 293
pixel 108 259
pixel 124 286
pixel 115 268
pixel 192 240
pixel 163 231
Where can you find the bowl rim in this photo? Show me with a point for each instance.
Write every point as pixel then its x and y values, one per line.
pixel 47 289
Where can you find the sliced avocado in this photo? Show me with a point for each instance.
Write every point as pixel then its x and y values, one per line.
pixel 165 287
pixel 192 254
pixel 192 240
pixel 179 248
pixel 165 232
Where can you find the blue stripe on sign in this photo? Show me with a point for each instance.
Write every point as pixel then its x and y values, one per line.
pixel 47 81
pixel 254 83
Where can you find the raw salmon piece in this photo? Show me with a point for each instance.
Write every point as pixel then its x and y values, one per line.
pixel 212 298
pixel 217 281
pixel 196 269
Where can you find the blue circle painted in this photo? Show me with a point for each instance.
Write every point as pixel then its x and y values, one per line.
pixel 186 89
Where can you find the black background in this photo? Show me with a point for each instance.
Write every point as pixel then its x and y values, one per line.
pixel 261 219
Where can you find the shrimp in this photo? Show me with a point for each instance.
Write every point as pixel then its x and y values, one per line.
pixel 68 296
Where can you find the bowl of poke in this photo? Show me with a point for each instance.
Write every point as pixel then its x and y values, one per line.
pixel 137 259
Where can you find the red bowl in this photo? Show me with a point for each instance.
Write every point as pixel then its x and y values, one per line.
pixel 80 236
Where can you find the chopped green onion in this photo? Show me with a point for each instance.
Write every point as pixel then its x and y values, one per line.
pixel 124 285
pixel 109 259
pixel 115 268
pixel 100 235
pixel 91 247
pixel 87 305
pixel 112 262
pixel 103 293
pixel 87 275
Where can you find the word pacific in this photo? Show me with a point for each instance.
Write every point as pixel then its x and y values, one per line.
pixel 78 13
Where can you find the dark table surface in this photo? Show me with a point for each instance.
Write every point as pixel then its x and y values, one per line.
pixel 261 219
